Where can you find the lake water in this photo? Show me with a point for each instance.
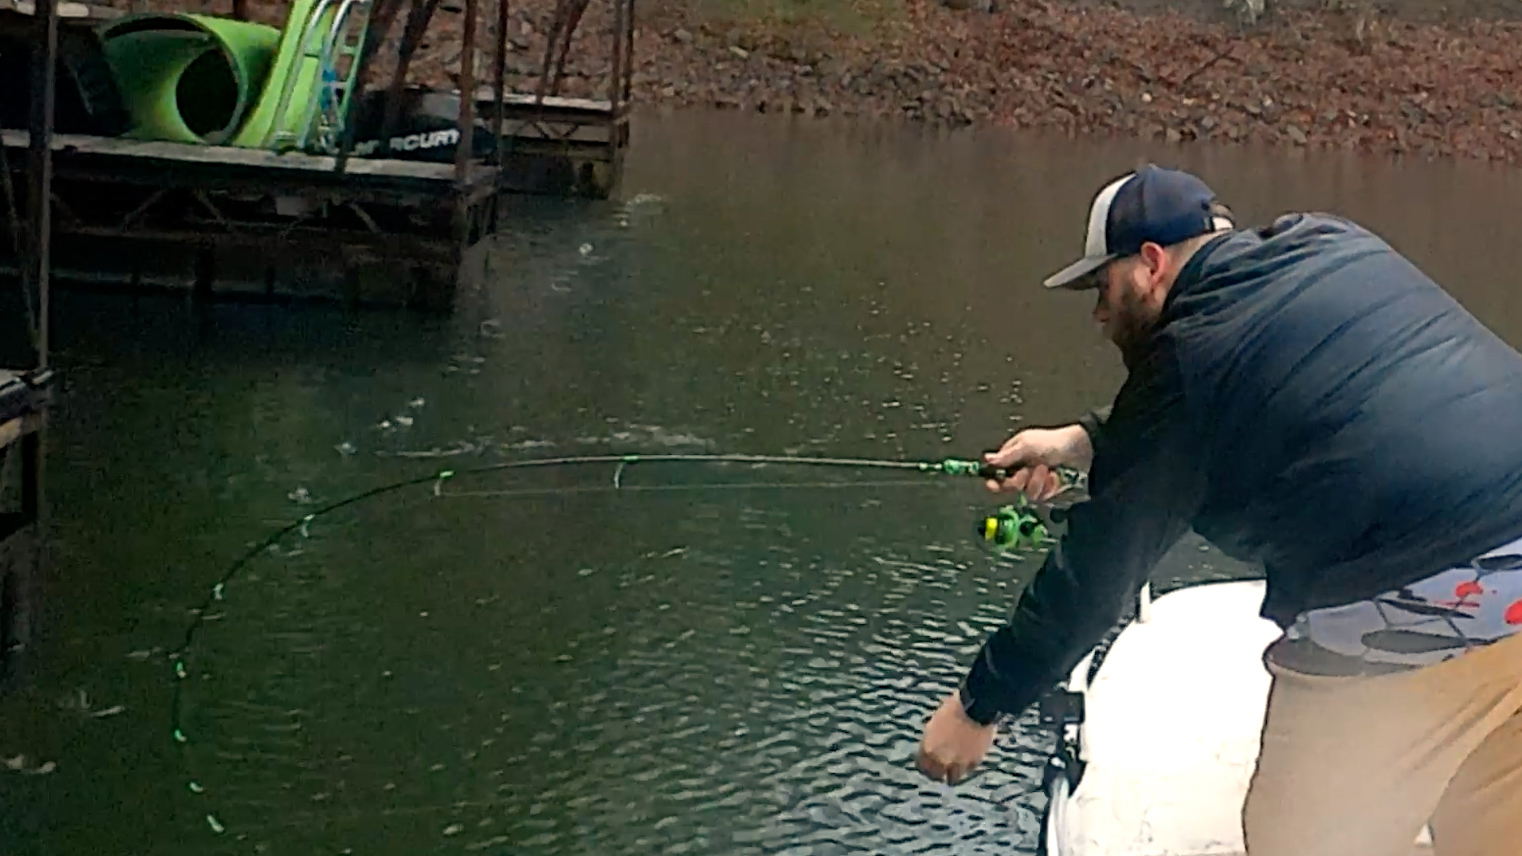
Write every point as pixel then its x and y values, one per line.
pixel 711 660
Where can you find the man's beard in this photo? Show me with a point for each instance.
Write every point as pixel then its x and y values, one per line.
pixel 1133 330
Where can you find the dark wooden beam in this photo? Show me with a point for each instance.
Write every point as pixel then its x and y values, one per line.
pixel 467 84
pixel 616 62
pixel 36 262
pixel 499 84
pixel 628 72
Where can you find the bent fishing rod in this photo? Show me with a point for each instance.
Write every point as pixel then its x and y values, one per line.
pixel 1006 530
pixel 1020 512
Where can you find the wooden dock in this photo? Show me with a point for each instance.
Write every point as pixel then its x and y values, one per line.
pixel 386 231
pixel 390 226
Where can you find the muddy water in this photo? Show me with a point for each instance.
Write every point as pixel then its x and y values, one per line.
pixel 713 660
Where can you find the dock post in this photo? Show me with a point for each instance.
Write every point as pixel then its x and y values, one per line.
pixel 464 196
pixel 499 82
pixel 37 263
pixel 465 148
pixel 616 64
pixel 24 394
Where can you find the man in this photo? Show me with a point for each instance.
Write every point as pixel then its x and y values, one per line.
pixel 1303 397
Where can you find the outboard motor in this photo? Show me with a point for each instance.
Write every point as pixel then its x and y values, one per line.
pixel 427 128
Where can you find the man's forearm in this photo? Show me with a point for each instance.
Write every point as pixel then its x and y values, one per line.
pixel 1145 488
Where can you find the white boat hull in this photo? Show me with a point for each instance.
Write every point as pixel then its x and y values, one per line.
pixel 1168 733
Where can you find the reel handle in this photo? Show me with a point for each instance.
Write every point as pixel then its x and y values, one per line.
pixel 989 471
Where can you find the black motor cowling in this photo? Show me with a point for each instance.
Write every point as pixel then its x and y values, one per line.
pixel 427 127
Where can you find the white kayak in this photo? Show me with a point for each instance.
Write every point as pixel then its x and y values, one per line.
pixel 1162 744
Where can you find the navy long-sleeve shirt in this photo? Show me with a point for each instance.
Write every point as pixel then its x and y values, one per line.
pixel 1309 401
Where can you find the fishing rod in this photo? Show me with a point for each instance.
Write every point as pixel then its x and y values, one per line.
pixel 946 466
pixel 1006 530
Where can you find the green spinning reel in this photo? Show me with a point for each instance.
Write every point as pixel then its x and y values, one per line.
pixel 1013 529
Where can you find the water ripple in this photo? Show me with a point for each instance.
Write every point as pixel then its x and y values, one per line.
pixel 764 695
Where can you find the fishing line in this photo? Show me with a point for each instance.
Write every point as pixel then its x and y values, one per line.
pixel 1006 529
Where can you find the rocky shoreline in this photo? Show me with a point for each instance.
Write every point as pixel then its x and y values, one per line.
pixel 1313 80
pixel 1342 78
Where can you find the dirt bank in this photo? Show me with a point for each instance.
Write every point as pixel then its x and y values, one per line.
pixel 1338 75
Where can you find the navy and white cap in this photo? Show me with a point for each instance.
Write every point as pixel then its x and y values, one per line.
pixel 1163 206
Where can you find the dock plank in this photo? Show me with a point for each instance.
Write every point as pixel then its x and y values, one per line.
pixel 594 106
pixel 237 157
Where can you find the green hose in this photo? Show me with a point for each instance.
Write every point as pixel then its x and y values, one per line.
pixel 188 78
pixel 218 81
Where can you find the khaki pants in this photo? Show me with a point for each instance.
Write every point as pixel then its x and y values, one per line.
pixel 1355 766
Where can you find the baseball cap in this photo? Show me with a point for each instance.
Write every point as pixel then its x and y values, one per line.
pixel 1154 204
